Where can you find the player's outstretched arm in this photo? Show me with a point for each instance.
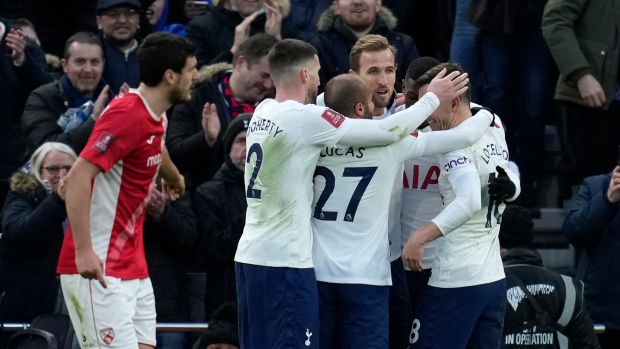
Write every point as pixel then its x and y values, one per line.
pixel 389 130
pixel 173 182
pixel 77 183
pixel 462 136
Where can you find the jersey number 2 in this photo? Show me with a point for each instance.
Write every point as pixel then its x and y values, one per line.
pixel 254 149
pixel 366 174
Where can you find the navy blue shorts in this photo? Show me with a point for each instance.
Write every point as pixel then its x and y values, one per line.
pixel 353 316
pixel 278 307
pixel 400 307
pixel 416 284
pixel 458 317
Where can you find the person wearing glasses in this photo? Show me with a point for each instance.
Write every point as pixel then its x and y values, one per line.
pixel 118 22
pixel 33 223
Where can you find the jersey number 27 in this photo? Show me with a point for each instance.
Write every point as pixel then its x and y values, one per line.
pixel 366 174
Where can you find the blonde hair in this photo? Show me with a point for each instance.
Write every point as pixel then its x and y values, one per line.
pixel 369 43
pixel 39 155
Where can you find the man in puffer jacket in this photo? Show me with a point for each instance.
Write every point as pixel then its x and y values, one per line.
pixel 346 21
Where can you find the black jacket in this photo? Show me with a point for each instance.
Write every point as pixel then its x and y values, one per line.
pixel 185 138
pixel 32 234
pixel 560 296
pixel 55 20
pixel 335 41
pixel 43 108
pixel 592 224
pixel 220 206
pixel 118 69
pixel 167 241
pixel 213 34
pixel 16 83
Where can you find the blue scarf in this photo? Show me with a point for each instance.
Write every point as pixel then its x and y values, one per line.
pixel 76 100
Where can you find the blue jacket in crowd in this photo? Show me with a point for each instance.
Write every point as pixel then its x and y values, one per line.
pixel 593 225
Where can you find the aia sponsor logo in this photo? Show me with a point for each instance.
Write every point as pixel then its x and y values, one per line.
pixel 456 162
pixel 334 118
pixel 103 142
pixel 107 335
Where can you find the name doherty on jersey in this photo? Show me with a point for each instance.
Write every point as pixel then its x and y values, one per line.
pixel 264 125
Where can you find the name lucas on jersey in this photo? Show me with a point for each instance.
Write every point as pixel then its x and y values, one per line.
pixel 353 152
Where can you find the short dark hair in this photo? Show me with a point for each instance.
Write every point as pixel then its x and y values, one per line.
pixel 82 38
pixel 427 77
pixel 343 92
pixel 159 52
pixel 420 66
pixel 287 56
pixel 255 48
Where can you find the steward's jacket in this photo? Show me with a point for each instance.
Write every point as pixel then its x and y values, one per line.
pixel 563 322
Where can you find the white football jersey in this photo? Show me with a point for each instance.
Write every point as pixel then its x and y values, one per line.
pixel 421 201
pixel 395 203
pixel 469 255
pixel 284 141
pixel 351 210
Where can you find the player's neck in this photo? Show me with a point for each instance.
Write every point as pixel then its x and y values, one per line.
pixel 156 98
pixel 462 114
pixel 290 91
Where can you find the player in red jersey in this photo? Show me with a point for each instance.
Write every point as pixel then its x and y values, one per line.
pixel 118 166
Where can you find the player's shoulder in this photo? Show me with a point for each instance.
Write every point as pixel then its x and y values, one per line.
pixel 126 102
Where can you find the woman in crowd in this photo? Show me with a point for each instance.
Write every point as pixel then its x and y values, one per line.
pixel 33 222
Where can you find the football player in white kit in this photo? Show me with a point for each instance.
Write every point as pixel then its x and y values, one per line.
pixel 464 302
pixel 351 214
pixel 374 60
pixel 276 284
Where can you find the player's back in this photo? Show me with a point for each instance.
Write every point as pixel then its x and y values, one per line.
pixel 470 254
pixel 284 141
pixel 351 210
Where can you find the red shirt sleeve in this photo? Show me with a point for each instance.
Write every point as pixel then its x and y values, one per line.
pixel 116 133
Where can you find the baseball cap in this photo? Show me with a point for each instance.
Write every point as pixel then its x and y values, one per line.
pixel 107 4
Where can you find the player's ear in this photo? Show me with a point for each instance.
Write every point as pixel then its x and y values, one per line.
pixel 239 62
pixel 305 76
pixel 456 103
pixel 169 76
pixel 359 110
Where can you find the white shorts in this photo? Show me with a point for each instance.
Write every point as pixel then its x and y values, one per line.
pixel 120 316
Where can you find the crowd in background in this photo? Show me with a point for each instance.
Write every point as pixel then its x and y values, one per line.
pixel 534 63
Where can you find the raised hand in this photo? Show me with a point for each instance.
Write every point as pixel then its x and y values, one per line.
pixel 613 192
pixel 273 25
pixel 16 40
pixel 242 31
pixel 448 87
pixel 101 103
pixel 210 123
